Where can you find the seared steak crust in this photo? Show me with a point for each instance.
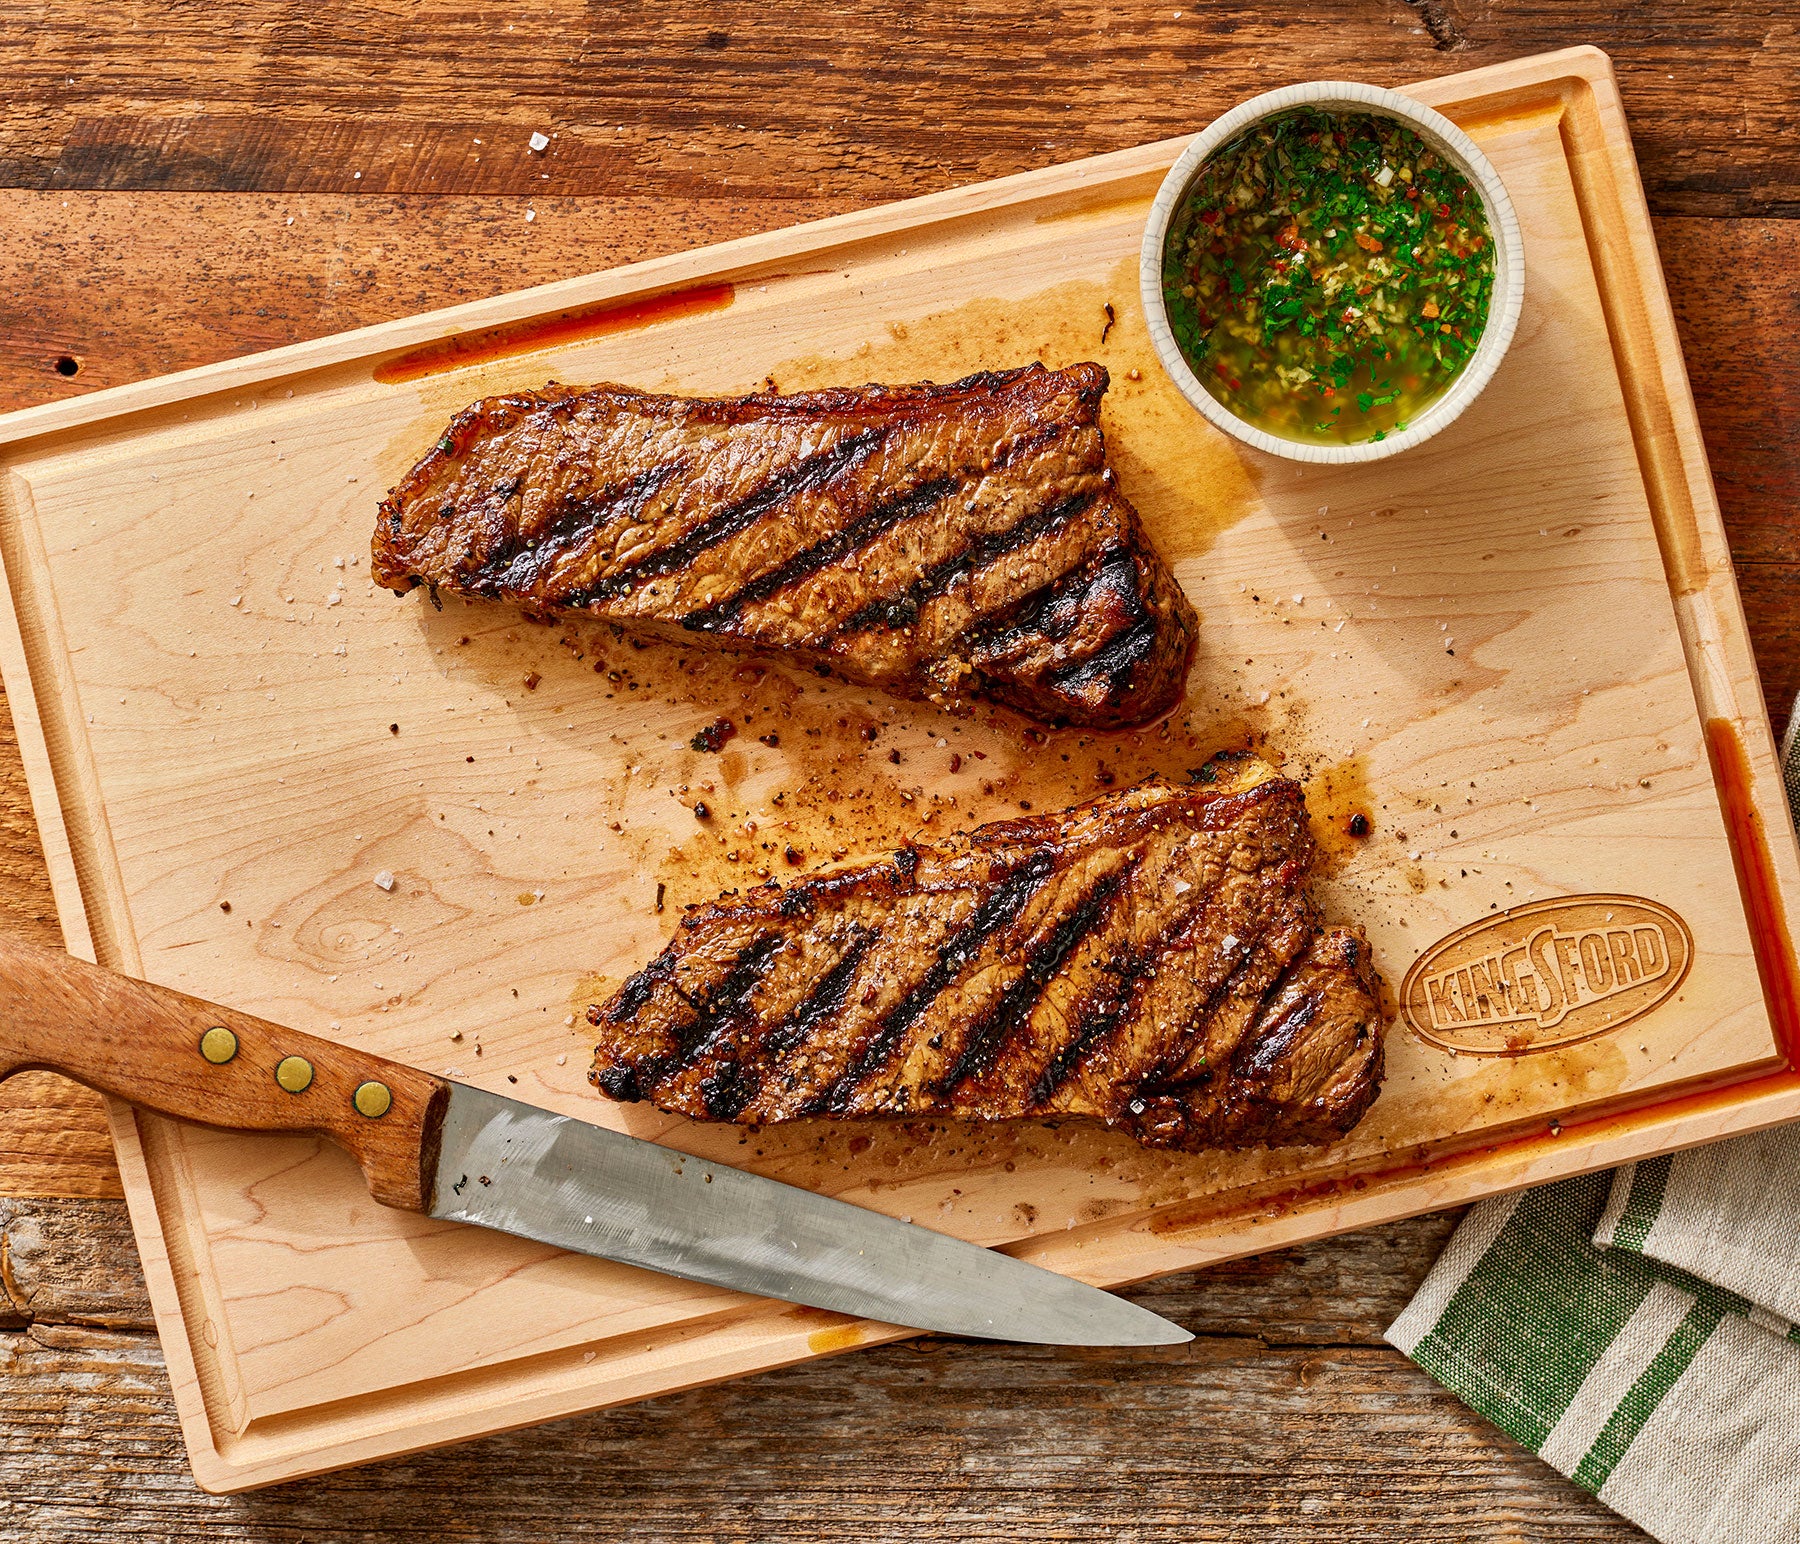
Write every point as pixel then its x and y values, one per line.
pixel 938 542
pixel 1149 960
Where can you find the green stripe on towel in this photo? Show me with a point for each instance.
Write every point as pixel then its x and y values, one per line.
pixel 1643 1397
pixel 1641 1331
pixel 1580 1349
pixel 1648 1180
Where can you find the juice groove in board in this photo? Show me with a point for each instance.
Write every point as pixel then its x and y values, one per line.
pixel 591 322
pixel 1433 651
pixel 1762 891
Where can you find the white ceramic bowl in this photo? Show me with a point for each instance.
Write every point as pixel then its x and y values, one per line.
pixel 1449 141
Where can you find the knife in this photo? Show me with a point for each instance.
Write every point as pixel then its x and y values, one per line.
pixel 447 1150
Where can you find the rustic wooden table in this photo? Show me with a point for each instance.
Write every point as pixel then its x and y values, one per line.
pixel 181 183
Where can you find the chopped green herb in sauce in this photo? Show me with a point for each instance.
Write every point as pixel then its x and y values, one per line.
pixel 1327 275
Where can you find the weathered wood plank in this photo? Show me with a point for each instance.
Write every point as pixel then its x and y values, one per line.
pixel 133 285
pixel 1737 307
pixel 71 1262
pixel 1286 1421
pixel 1769 591
pixel 54 1139
pixel 1226 1441
pixel 53 1135
pixel 27 908
pixel 860 101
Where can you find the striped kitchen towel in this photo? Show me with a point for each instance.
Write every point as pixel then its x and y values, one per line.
pixel 1574 1319
pixel 1637 1330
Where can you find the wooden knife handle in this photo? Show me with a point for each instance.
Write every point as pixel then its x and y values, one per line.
pixel 196 1061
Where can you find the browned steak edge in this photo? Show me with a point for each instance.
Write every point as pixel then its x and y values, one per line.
pixel 1133 673
pixel 1325 996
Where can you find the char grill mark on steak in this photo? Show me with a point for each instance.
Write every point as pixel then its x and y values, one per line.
pixel 1258 1056
pixel 517 561
pixel 865 528
pixel 1149 960
pixel 998 911
pixel 1113 662
pixel 717 1011
pixel 1102 1014
pixel 727 1090
pixel 1072 930
pixel 722 614
pixel 938 542
pixel 1274 1058
pixel 1108 588
pixel 825 1001
pixel 1105 596
pixel 1235 1001
pixel 902 610
pixel 733 1083
pixel 631 997
pixel 814 473
pixel 1118 994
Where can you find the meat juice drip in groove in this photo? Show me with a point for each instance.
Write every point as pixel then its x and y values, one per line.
pixel 527 337
pixel 1770 927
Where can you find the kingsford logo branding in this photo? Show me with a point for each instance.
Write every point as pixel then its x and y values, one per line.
pixel 1547 974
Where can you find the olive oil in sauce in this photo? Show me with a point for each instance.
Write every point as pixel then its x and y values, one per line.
pixel 1327 275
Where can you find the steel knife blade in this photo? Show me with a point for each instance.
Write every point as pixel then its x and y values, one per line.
pixel 512 1166
pixel 450 1150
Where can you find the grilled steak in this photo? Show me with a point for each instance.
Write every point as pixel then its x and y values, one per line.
pixel 940 542
pixel 1150 960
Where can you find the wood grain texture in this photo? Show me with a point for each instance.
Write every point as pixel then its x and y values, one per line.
pixel 1732 283
pixel 54 1139
pixel 1288 1422
pixel 199 876
pixel 861 101
pixel 114 278
pixel 119 284
pixel 70 1263
pixel 137 1041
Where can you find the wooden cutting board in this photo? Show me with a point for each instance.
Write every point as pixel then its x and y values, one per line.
pixel 1518 652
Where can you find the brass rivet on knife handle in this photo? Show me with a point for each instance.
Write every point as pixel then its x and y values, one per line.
pixel 218 1045
pixel 192 1060
pixel 372 1099
pixel 294 1073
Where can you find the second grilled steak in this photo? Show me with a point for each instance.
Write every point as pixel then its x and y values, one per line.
pixel 1150 960
pixel 938 542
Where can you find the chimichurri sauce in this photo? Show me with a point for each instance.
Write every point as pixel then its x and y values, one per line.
pixel 1327 275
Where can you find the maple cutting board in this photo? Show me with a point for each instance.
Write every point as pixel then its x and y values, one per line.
pixel 1517 653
